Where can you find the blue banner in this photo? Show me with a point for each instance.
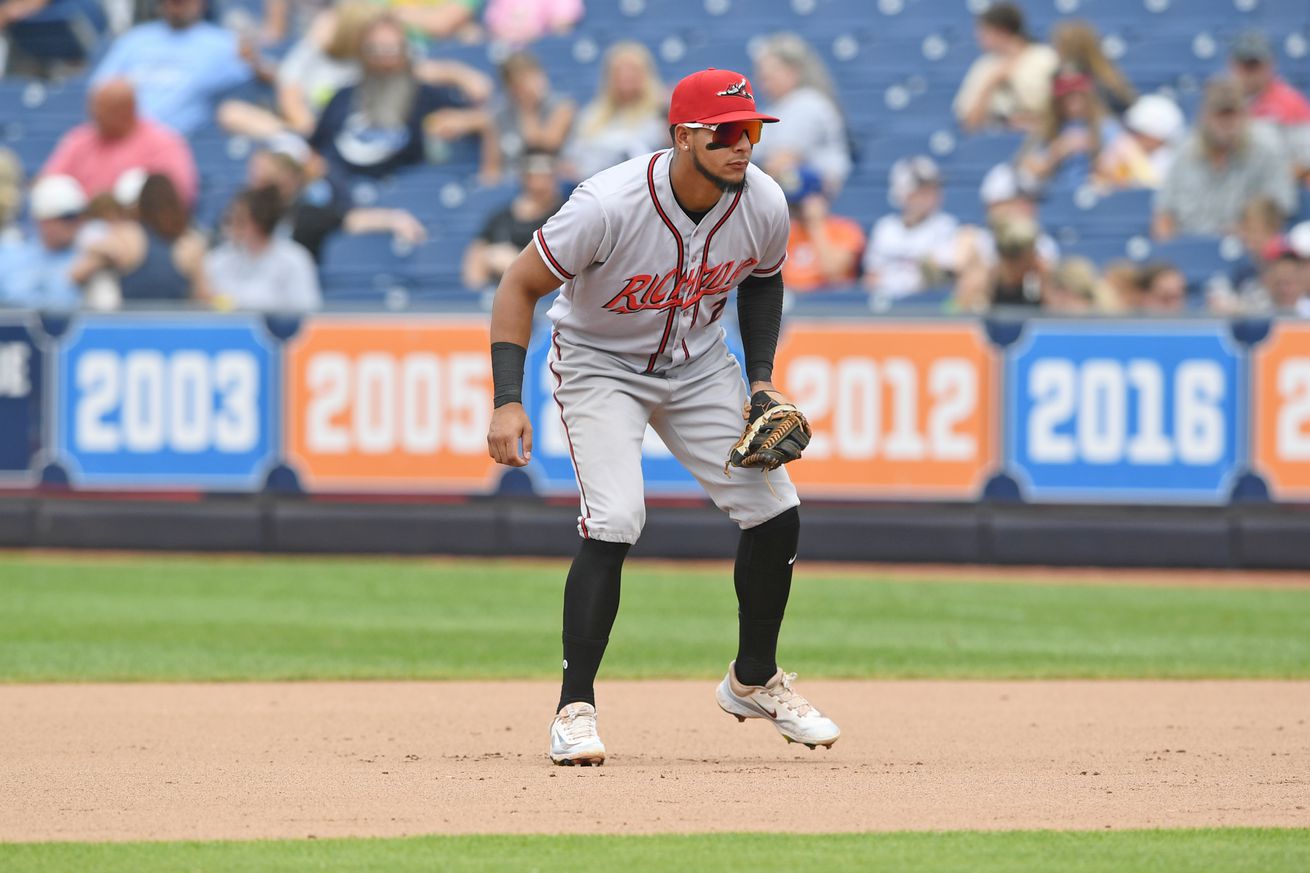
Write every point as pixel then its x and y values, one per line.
pixel 21 395
pixel 1125 413
pixel 167 402
pixel 552 466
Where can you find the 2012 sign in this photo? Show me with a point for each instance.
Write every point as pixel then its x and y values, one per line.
pixel 899 409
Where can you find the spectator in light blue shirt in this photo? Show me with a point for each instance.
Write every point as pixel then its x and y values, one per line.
pixel 34 273
pixel 179 64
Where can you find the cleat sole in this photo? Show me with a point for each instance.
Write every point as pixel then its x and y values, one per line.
pixel 579 762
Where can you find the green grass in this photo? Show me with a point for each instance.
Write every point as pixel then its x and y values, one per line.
pixel 182 618
pixel 1175 851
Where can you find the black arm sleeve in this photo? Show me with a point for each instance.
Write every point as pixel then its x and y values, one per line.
pixel 759 315
pixel 507 372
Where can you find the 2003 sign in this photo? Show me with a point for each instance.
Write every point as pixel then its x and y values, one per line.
pixel 160 402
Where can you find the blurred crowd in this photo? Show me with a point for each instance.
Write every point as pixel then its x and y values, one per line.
pixel 332 93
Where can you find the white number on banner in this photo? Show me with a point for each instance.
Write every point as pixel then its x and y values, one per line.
pixel 1292 434
pixel 187 401
pixel 873 407
pixel 1097 397
pixel 376 403
pixel 15 369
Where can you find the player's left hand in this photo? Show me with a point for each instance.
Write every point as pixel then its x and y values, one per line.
pixel 509 425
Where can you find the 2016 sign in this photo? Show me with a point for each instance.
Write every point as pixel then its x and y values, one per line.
pixel 898 408
pixel 1124 413
pixel 1282 410
pixel 167 402
pixel 389 404
pixel 21 382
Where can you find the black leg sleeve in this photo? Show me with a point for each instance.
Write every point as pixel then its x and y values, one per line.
pixel 591 601
pixel 763 580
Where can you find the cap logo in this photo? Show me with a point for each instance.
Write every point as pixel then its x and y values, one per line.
pixel 737 90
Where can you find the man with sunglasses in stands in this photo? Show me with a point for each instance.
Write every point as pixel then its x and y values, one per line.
pixel 648 253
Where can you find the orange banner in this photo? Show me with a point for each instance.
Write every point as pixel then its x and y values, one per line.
pixel 899 409
pixel 389 404
pixel 1281 420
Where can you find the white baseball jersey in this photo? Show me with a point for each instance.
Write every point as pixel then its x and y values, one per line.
pixel 642 281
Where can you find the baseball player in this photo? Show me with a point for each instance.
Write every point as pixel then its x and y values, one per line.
pixel 648 252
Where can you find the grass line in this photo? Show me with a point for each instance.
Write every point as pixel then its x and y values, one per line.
pixel 1232 850
pixel 186 618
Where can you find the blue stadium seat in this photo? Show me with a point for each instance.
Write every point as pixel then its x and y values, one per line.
pixel 1198 257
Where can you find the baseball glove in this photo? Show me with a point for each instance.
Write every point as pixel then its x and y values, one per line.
pixel 776 434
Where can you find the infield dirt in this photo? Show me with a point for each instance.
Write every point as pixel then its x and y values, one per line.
pixel 245 761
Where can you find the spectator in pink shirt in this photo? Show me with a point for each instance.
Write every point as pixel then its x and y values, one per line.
pixel 1270 100
pixel 1252 64
pixel 116 139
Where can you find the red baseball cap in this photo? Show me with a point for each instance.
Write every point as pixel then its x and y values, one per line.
pixel 713 97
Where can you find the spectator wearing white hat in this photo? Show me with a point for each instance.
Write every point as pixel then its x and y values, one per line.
pixel 36 273
pixel 902 245
pixel 1140 156
pixel 1010 195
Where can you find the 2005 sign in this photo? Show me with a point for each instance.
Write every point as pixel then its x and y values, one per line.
pixel 377 403
pixel 389 404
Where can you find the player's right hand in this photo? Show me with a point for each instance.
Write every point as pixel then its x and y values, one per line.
pixel 509 425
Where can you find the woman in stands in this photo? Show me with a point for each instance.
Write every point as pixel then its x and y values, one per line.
pixel 1064 147
pixel 530 116
pixel 321 63
pixel 800 92
pixel 255 268
pixel 1078 45
pixel 628 117
pixel 155 255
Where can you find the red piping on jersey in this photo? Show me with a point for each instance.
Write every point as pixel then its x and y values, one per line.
pixel 577 472
pixel 545 249
pixel 704 257
pixel 677 237
pixel 769 270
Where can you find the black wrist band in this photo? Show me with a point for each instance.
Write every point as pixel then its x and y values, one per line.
pixel 507 372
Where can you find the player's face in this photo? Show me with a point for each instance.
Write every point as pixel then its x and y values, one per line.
pixel 724 165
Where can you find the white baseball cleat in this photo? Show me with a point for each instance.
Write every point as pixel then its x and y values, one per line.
pixel 795 717
pixel 573 737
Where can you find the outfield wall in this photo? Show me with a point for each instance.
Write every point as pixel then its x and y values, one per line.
pixel 1104 430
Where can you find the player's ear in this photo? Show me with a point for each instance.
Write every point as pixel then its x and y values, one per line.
pixel 681 137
